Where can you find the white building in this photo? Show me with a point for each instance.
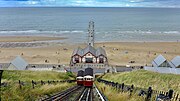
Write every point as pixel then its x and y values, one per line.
pixel 175 62
pixel 166 66
pixel 160 61
pixel 18 64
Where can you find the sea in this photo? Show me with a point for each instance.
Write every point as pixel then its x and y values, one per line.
pixel 111 24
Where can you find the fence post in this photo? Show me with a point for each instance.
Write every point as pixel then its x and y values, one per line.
pixel 177 97
pixel 1 72
pixel 20 84
pixel 116 85
pixel 174 95
pixel 122 87
pixel 33 84
pixel 42 82
pixel 131 89
pixel 149 93
pixel 170 93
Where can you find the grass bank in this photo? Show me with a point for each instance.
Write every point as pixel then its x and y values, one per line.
pixel 13 92
pixel 145 79
pixel 114 95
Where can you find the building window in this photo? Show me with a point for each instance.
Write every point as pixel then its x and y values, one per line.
pixel 89 60
pixel 101 60
pixel 77 60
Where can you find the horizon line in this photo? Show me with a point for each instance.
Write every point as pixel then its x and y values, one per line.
pixel 77 7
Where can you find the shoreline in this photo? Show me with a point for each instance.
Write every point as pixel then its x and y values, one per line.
pixel 118 53
pixel 68 38
pixel 28 38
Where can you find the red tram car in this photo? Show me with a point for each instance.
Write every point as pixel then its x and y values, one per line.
pixel 80 77
pixel 88 77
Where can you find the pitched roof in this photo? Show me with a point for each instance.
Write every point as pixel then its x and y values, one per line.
pixel 158 60
pixel 78 51
pixel 19 63
pixel 95 52
pixel 100 51
pixel 89 49
pixel 175 62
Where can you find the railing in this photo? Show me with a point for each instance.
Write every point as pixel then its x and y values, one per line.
pixel 148 94
pixel 34 83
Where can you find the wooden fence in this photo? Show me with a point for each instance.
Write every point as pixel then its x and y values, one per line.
pixel 148 94
pixel 34 83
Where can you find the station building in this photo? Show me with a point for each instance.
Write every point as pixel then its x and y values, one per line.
pixel 89 56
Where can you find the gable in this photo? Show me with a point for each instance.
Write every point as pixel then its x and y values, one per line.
pixel 11 67
pixel 158 61
pixel 89 54
pixel 176 61
pixel 19 63
pixel 89 49
pixel 164 64
pixel 100 51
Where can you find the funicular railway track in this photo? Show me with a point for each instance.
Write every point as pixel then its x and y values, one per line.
pixel 62 96
pixel 86 95
pixel 85 91
pixel 76 93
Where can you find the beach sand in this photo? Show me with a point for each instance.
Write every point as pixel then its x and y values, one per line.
pixel 119 53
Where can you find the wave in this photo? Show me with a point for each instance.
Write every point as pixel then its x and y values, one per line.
pixel 150 32
pixel 37 32
pixel 81 31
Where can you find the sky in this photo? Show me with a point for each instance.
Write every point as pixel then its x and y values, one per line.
pixel 90 3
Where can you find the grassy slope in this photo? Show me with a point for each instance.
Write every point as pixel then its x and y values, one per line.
pixel 12 92
pixel 144 79
pixel 114 95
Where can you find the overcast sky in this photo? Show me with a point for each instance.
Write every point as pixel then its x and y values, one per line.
pixel 90 3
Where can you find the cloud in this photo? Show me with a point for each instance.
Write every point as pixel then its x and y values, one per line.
pixel 91 3
pixel 136 1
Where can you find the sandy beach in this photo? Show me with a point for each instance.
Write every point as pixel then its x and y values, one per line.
pixel 119 53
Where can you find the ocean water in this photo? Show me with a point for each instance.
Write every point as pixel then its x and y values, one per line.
pixel 111 24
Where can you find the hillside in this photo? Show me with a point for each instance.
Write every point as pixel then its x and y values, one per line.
pixel 12 90
pixel 145 79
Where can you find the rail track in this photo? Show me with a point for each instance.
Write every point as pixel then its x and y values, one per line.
pixel 61 96
pixel 77 93
pixel 86 95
